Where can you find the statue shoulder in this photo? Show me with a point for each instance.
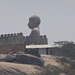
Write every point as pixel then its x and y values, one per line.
pixel 35 32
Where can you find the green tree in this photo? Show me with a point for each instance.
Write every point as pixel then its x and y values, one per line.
pixel 69 49
pixel 60 43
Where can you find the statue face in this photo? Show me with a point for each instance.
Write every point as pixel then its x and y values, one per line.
pixel 31 24
pixel 34 21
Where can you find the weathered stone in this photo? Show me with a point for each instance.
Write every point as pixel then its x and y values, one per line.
pixel 33 24
pixel 2 57
pixel 20 52
pixel 34 37
pixel 10 57
pixel 29 59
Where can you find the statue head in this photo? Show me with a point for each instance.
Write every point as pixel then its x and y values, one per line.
pixel 34 21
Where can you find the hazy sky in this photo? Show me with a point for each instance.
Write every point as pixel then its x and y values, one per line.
pixel 57 18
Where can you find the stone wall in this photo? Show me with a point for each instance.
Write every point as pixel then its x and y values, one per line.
pixel 11 48
pixel 10 39
pixel 11 43
pixel 36 41
pixel 16 42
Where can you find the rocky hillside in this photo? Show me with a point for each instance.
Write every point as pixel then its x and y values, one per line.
pixel 17 69
pixel 7 68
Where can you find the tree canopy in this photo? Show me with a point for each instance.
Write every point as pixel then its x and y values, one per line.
pixel 67 48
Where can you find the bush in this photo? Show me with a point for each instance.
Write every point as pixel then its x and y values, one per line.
pixel 49 70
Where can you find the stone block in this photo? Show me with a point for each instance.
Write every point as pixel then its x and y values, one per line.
pixel 29 59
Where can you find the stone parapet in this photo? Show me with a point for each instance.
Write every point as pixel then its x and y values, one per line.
pixel 8 39
pixel 37 41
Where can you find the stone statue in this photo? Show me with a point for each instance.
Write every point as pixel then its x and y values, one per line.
pixel 33 24
pixel 34 37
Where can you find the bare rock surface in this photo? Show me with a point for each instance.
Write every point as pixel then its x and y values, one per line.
pixel 49 59
pixel 2 56
pixel 7 68
pixel 14 68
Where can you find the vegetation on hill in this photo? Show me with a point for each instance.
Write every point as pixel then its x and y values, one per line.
pixel 67 60
pixel 67 67
pixel 66 48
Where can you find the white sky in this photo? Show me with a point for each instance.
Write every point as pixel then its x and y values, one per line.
pixel 57 18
